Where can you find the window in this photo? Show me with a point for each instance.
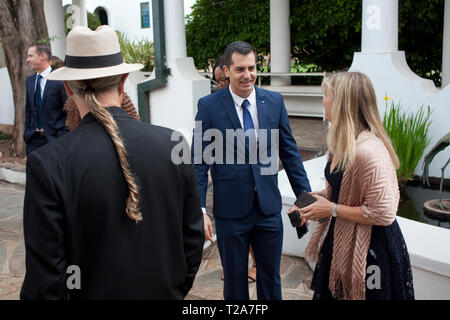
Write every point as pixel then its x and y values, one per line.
pixel 145 15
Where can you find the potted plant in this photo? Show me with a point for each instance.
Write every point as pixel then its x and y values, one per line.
pixel 409 136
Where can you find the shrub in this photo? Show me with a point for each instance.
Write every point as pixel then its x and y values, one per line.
pixel 141 51
pixel 409 136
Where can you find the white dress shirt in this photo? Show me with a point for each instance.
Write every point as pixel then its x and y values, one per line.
pixel 43 79
pixel 251 108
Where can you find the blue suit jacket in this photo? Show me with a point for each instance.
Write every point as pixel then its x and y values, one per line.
pixel 235 184
pixel 53 117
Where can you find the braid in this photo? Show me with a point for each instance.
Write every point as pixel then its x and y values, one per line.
pixel 88 88
pixel 110 125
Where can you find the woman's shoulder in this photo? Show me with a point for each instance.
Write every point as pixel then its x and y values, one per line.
pixel 369 146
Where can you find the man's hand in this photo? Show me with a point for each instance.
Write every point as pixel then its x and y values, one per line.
pixel 209 231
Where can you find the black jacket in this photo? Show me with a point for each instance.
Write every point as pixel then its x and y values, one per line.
pixel 74 214
pixel 53 117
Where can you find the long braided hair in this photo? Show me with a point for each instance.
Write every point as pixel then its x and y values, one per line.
pixel 88 89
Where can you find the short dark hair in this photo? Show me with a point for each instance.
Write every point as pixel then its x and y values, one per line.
pixel 43 48
pixel 220 62
pixel 240 47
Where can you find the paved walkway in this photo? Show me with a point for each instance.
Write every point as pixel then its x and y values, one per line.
pixel 296 276
pixel 12 250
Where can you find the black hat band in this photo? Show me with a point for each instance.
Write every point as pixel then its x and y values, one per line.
pixel 91 62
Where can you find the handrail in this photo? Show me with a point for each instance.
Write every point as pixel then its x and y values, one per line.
pixel 275 74
pixel 293 74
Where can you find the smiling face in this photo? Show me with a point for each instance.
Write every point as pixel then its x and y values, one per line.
pixel 242 73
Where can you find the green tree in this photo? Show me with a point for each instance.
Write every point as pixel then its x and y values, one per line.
pixel 421 26
pixel 324 33
pixel 213 24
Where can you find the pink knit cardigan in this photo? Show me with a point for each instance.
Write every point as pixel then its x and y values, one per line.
pixel 371 182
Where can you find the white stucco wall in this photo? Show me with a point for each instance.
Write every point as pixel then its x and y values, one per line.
pixel 6 101
pixel 391 75
pixel 124 16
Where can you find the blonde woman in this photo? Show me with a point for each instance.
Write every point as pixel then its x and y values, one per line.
pixel 358 246
pixel 107 213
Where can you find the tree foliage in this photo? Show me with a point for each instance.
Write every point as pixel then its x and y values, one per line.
pixel 325 33
pixel 213 24
pixel 421 26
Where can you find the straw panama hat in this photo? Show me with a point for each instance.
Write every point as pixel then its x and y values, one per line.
pixel 92 54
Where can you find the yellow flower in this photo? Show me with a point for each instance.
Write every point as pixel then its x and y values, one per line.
pixel 386 98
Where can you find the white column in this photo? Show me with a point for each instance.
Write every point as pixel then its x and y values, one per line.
pixel 54 17
pixel 379 26
pixel 83 12
pixel 446 46
pixel 175 29
pixel 280 41
pixel 175 105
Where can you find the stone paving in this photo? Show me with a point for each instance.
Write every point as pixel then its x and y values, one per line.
pixel 296 276
pixel 12 250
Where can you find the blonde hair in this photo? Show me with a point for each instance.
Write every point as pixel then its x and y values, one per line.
pixel 354 109
pixel 88 89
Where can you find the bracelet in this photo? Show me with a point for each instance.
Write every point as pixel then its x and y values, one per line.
pixel 334 211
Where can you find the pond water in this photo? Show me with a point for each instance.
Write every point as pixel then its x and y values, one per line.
pixel 411 206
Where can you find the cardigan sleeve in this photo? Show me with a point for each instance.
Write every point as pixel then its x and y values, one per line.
pixel 378 181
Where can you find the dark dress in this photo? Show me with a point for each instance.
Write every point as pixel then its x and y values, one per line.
pixel 387 251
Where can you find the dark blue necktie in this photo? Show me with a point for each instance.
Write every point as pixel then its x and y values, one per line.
pixel 38 101
pixel 248 122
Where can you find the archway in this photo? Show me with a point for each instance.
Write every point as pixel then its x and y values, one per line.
pixel 102 13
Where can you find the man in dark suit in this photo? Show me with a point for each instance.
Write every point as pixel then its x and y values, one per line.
pixel 44 115
pixel 107 212
pixel 247 202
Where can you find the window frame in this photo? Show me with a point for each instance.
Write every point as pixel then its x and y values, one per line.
pixel 142 7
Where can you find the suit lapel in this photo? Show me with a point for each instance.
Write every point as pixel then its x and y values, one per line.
pixel 230 108
pixel 261 107
pixel 47 85
pixel 32 87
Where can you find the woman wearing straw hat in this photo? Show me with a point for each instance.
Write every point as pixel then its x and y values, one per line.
pixel 107 214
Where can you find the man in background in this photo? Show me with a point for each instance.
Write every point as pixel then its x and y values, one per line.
pixel 44 115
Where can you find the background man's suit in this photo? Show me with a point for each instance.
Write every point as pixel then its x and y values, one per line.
pixel 247 205
pixel 74 214
pixel 53 117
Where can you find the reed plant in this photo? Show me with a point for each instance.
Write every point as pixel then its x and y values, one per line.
pixel 137 51
pixel 409 136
